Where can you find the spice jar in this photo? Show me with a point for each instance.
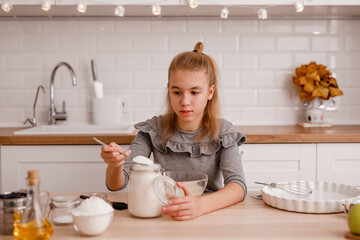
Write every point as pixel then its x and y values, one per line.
pixel 61 207
pixel 142 199
pixel 12 206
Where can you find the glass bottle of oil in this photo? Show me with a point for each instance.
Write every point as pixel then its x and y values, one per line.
pixel 33 223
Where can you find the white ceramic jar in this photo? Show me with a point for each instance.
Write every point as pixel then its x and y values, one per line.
pixel 142 199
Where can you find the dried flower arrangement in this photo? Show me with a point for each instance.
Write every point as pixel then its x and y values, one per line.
pixel 314 80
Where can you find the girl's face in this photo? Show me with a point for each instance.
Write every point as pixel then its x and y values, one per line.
pixel 189 93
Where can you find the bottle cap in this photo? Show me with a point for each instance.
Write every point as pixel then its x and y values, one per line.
pixel 33 174
pixel 33 177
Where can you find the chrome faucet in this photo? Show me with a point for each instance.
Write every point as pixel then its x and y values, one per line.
pixel 54 115
pixel 33 120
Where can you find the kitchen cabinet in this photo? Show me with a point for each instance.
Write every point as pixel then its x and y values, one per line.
pixel 339 163
pixel 63 168
pixel 71 168
pixel 278 162
pixel 331 162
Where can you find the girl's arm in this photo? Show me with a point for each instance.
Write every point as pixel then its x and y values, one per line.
pixel 230 194
pixel 190 207
pixel 115 177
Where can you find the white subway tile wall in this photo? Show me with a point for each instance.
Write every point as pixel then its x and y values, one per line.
pixel 256 59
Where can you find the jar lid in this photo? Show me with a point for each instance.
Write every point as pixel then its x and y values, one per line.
pixel 145 167
pixel 165 189
pixel 12 195
pixel 65 201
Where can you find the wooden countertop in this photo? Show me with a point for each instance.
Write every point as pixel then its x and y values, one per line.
pixel 251 219
pixel 254 134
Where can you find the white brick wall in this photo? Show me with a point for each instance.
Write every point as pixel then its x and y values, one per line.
pixel 256 59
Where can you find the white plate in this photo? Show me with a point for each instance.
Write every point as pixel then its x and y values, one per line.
pixel 326 198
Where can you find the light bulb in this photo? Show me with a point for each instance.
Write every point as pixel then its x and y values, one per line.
pixel 193 3
pixel 46 5
pixel 119 11
pixel 224 13
pixel 262 13
pixel 81 7
pixel 6 6
pixel 156 9
pixel 299 5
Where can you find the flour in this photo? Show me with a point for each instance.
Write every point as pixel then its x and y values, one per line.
pixel 92 206
pixel 63 219
pixel 142 160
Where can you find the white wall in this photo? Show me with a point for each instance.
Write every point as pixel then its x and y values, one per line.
pixel 256 58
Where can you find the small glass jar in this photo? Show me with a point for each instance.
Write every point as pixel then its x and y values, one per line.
pixel 61 207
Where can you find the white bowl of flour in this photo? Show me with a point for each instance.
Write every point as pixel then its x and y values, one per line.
pixel 93 216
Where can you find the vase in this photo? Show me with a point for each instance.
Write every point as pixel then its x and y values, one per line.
pixel 314 111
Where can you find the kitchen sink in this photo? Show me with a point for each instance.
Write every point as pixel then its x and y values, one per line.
pixel 77 129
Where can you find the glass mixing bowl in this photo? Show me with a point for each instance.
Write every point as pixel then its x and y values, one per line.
pixel 195 181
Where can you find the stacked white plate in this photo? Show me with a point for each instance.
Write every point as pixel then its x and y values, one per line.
pixel 326 197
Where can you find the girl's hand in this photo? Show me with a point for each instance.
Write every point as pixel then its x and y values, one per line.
pixel 112 156
pixel 184 208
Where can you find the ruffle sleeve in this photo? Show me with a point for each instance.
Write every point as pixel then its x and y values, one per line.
pixel 183 143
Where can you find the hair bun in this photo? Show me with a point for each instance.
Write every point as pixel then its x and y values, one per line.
pixel 199 46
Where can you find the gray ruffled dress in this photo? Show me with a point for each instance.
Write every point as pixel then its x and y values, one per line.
pixel 220 160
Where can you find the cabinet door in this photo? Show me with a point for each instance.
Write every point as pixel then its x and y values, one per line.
pixel 339 162
pixel 278 162
pixel 75 168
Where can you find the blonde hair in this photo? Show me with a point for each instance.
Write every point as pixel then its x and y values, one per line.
pixel 194 61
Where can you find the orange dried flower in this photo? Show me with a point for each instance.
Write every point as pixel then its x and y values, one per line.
pixel 314 80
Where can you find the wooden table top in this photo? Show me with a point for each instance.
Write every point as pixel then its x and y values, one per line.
pixel 251 219
pixel 254 134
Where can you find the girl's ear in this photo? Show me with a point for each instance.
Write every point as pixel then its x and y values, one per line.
pixel 211 92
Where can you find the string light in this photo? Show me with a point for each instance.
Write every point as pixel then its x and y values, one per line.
pixel 224 13
pixel 6 6
pixel 193 3
pixel 46 5
pixel 119 11
pixel 81 7
pixel 262 13
pixel 156 9
pixel 299 5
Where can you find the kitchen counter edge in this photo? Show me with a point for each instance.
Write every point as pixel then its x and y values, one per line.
pixel 254 134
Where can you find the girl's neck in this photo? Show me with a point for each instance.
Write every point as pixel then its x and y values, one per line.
pixel 189 126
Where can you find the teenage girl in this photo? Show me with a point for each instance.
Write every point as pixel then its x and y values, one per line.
pixel 188 137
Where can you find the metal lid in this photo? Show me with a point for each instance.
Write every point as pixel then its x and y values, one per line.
pixel 12 195
pixel 145 167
